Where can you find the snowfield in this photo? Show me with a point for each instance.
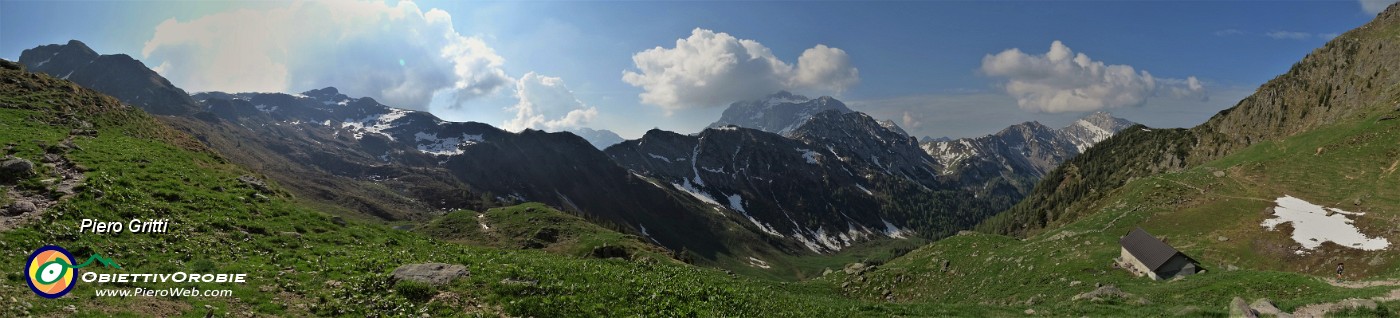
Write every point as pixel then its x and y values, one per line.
pixel 1314 224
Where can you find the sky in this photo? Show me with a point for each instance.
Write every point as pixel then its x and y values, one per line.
pixel 937 68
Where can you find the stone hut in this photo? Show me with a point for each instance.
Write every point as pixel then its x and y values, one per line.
pixel 1146 255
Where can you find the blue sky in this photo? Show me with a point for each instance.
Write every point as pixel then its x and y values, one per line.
pixel 558 65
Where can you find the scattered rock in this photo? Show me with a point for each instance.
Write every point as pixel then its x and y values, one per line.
pixel 1030 311
pixel 1222 238
pixel 339 221
pixel 1356 304
pixel 855 268
pixel 1232 268
pixel 1219 173
pixel 51 158
pixel 827 271
pixel 1239 308
pixel 83 132
pixel 430 273
pixel 255 183
pixel 20 207
pixel 67 145
pixel 1103 293
pixel 1075 283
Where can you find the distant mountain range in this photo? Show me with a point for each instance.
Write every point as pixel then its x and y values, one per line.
pixel 1011 161
pixel 798 175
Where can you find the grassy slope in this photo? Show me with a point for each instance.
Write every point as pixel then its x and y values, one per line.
pixel 527 226
pixel 1193 210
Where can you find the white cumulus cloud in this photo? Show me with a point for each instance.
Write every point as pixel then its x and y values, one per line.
pixel 398 54
pixel 711 68
pixel 546 103
pixel 1064 81
pixel 1375 6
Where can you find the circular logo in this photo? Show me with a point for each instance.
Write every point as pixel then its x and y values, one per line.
pixel 50 271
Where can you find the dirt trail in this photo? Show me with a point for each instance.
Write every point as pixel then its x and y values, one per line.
pixel 1362 284
pixel 63 183
pixel 1321 310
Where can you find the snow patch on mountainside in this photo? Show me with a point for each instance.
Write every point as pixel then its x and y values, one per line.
pixel 810 155
pixel 687 187
pixel 863 189
pixel 1095 135
pixel 1314 224
pixel 892 231
pixel 374 124
pixel 736 203
pixel 432 144
pixel 758 263
pixel 655 156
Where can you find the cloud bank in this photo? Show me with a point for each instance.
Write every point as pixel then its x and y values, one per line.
pixel 711 69
pixel 399 55
pixel 547 104
pixel 1064 81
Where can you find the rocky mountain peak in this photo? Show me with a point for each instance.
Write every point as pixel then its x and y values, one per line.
pixel 117 75
pixel 778 113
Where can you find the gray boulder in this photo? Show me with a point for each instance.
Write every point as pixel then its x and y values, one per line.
pixel 18 208
pixel 430 273
pixel 16 168
pixel 1239 308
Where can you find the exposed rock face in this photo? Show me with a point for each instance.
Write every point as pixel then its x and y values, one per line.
pixel 860 140
pixel 430 273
